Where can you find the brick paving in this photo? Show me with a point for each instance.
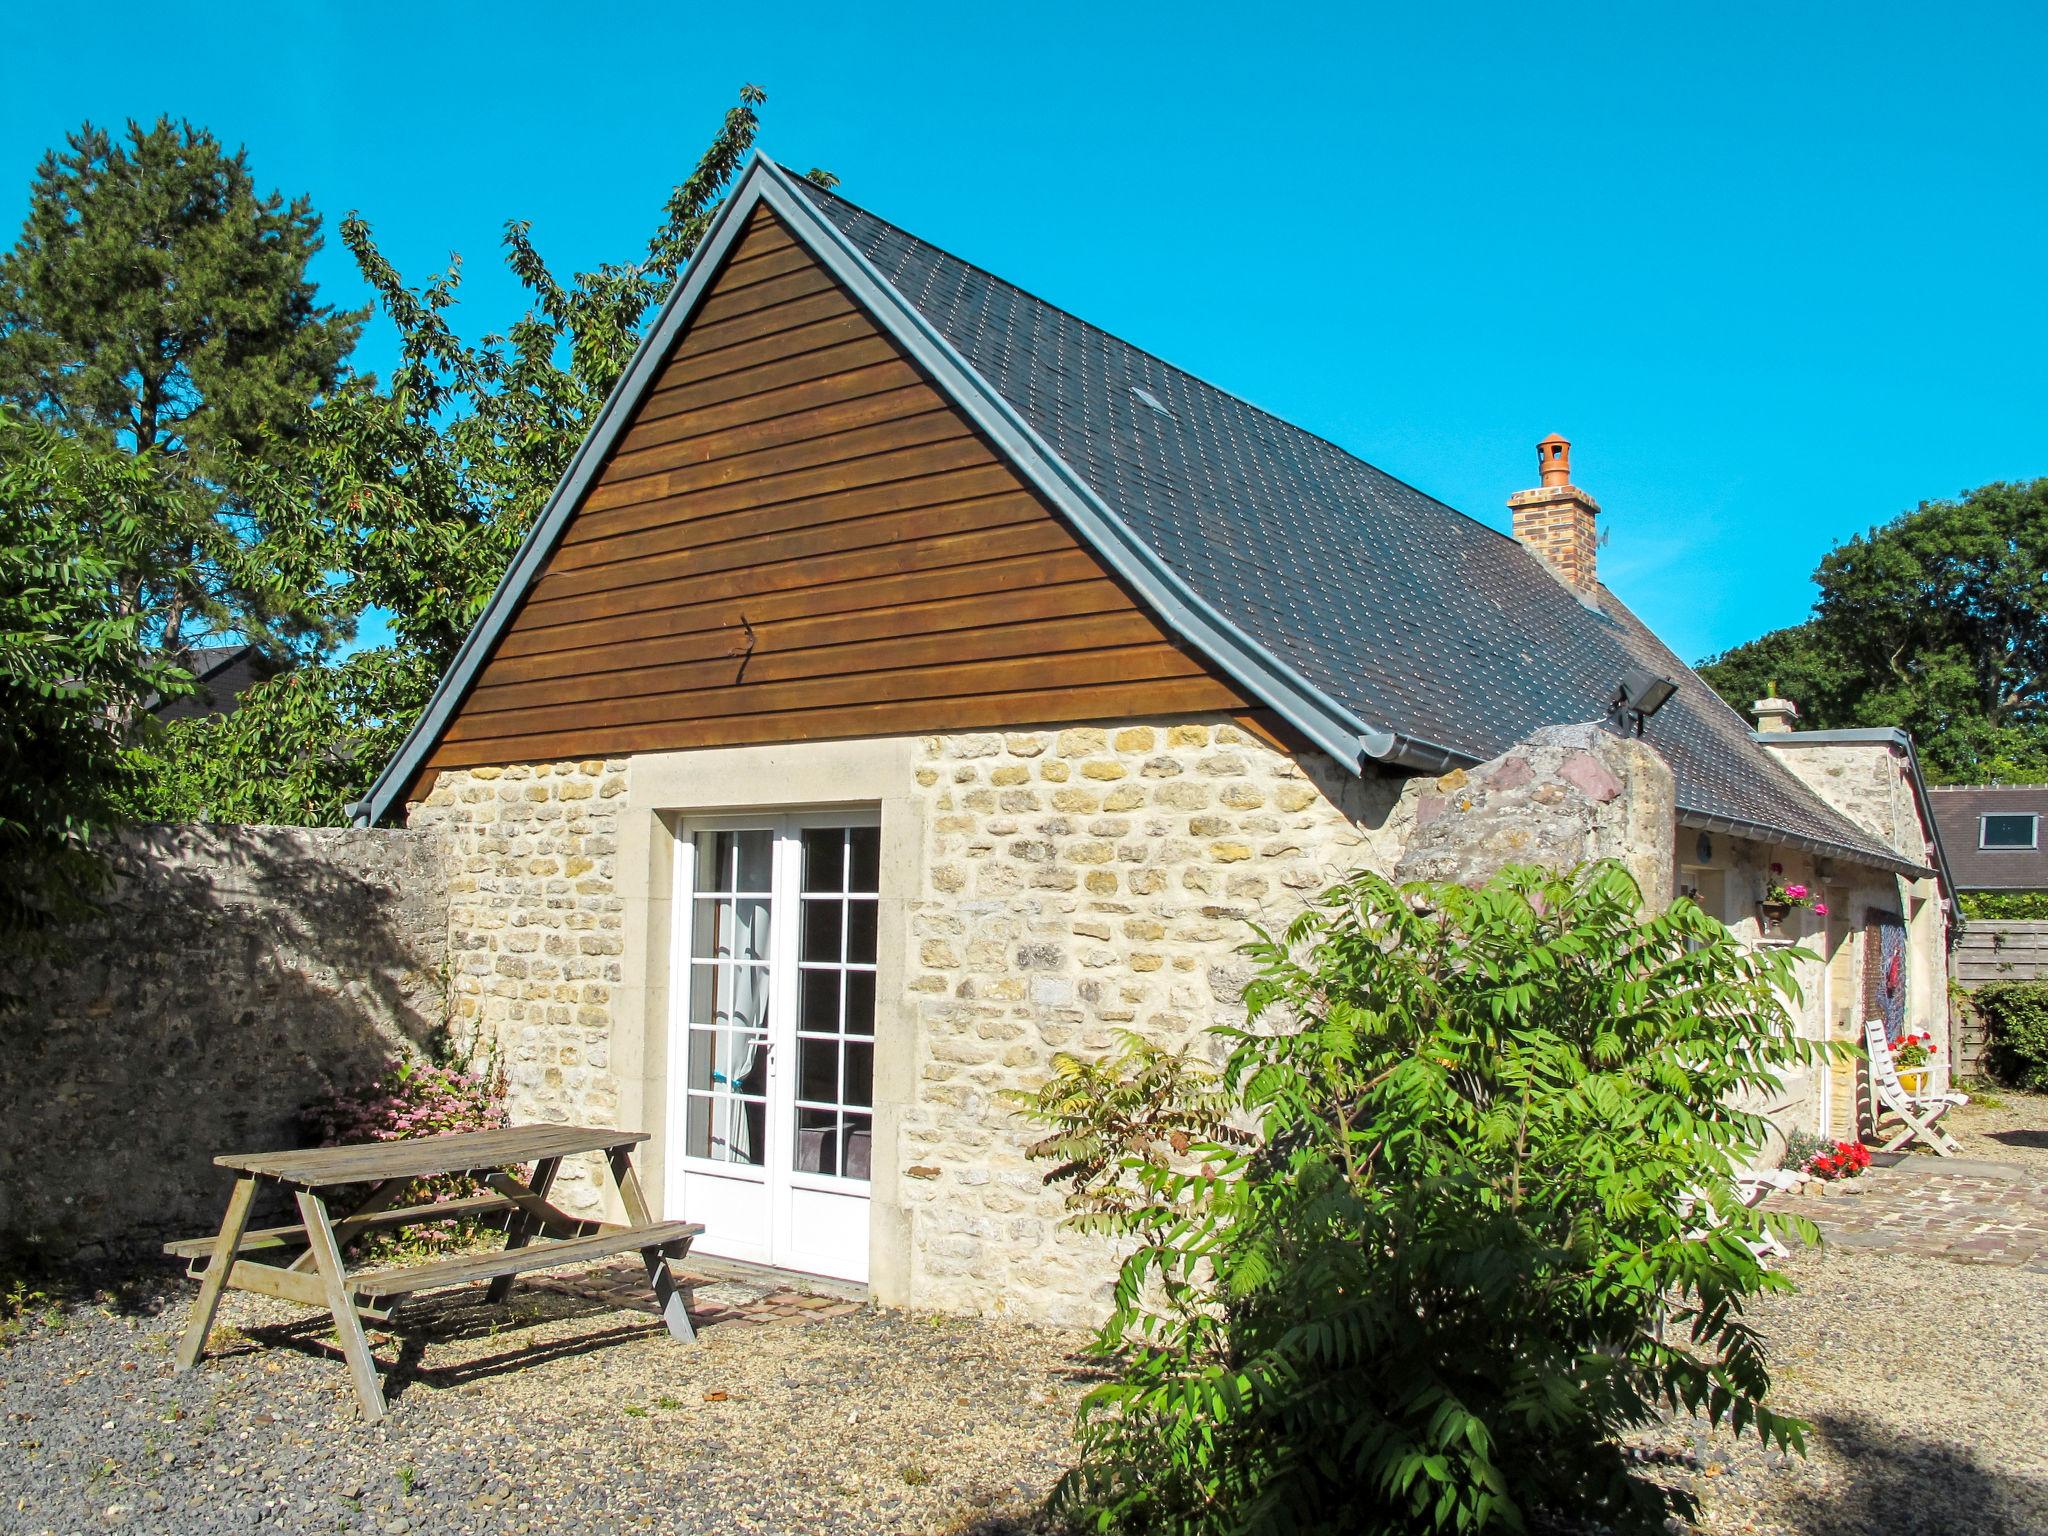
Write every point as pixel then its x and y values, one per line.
pixel 714 1299
pixel 1962 1210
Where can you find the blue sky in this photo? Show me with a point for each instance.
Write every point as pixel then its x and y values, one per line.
pixel 1775 270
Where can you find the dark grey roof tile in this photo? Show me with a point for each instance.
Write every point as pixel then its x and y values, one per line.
pixel 1413 615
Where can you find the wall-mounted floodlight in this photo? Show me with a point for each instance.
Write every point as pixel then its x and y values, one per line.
pixel 1639 695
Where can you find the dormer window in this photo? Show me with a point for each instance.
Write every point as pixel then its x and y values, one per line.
pixel 2009 830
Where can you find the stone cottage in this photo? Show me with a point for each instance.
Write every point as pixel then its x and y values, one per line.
pixel 908 680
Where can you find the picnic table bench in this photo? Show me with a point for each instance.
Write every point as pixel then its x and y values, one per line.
pixel 538 1234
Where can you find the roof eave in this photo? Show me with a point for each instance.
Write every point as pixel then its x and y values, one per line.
pixel 1891 736
pixel 1324 721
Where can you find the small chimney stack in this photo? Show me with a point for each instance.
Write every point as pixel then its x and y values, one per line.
pixel 1554 522
pixel 1773 714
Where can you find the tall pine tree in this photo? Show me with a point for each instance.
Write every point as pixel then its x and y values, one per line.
pixel 157 305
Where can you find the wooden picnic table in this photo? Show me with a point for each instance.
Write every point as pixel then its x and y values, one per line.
pixel 305 1263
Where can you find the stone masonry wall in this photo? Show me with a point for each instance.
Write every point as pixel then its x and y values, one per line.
pixel 1073 882
pixel 239 972
pixel 535 936
pixel 1079 882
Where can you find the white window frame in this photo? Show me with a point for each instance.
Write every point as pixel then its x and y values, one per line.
pixel 2033 843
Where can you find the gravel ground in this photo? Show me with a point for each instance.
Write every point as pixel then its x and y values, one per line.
pixel 1926 1380
pixel 2003 1125
pixel 562 1416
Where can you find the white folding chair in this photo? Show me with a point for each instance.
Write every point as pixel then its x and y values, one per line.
pixel 1920 1112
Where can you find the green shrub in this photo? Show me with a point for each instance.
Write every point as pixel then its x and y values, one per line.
pixel 2015 1017
pixel 1995 906
pixel 1430 1241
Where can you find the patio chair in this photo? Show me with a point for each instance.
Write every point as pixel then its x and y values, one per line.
pixel 1920 1112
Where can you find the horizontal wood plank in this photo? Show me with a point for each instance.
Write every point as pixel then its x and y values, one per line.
pixel 801 436
pixel 799 539
pixel 938 679
pixel 806 627
pixel 1042 706
pixel 667 1237
pixel 997 576
pixel 930 425
pixel 741 660
pixel 779 399
pixel 426 1157
pixel 880 546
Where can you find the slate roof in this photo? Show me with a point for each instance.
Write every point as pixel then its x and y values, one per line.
pixel 1957 808
pixel 1420 619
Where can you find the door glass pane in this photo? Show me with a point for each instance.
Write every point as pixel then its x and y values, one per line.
pixel 817 1070
pixel 729 996
pixel 857 1140
pixel 818 1000
pixel 817 1141
pixel 864 859
pixel 726 1061
pixel 824 858
pixel 726 1130
pixel 860 932
pixel 821 928
pixel 734 928
pixel 860 1002
pixel 860 1073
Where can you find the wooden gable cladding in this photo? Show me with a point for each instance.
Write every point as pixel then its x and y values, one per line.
pixel 798 538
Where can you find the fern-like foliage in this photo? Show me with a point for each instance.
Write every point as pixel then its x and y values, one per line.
pixel 1431 1241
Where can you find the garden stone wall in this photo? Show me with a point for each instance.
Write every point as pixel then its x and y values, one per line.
pixel 238 973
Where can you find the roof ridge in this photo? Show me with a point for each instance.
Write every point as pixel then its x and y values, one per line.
pixel 815 191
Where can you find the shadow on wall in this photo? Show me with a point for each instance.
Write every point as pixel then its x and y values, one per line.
pixel 237 973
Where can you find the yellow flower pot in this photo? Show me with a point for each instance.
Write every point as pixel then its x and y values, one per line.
pixel 1913 1079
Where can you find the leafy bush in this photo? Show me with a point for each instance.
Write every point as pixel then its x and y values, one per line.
pixel 2015 1014
pixel 1994 906
pixel 412 1097
pixel 1432 1239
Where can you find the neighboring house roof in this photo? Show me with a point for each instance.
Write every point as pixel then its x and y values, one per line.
pixel 1959 810
pixel 222 673
pixel 1376 620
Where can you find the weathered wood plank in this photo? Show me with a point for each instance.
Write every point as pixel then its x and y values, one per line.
pixel 844 722
pixel 355 1348
pixel 427 1157
pixel 225 1245
pixel 295 1236
pixel 665 1236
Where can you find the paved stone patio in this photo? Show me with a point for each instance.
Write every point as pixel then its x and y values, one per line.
pixel 715 1298
pixel 1966 1211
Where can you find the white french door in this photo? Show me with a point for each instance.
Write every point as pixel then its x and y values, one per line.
pixel 772 1048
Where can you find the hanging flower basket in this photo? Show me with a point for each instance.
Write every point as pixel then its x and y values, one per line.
pixel 1778 900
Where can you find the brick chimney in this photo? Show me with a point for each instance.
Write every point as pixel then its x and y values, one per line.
pixel 1774 714
pixel 1555 521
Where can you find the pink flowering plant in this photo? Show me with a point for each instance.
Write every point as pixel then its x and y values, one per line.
pixel 412 1097
pixel 1778 892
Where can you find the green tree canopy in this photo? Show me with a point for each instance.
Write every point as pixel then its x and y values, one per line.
pixel 436 475
pixel 1938 622
pixel 157 304
pixel 72 665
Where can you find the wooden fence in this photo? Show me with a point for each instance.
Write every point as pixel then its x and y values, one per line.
pixel 1991 951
